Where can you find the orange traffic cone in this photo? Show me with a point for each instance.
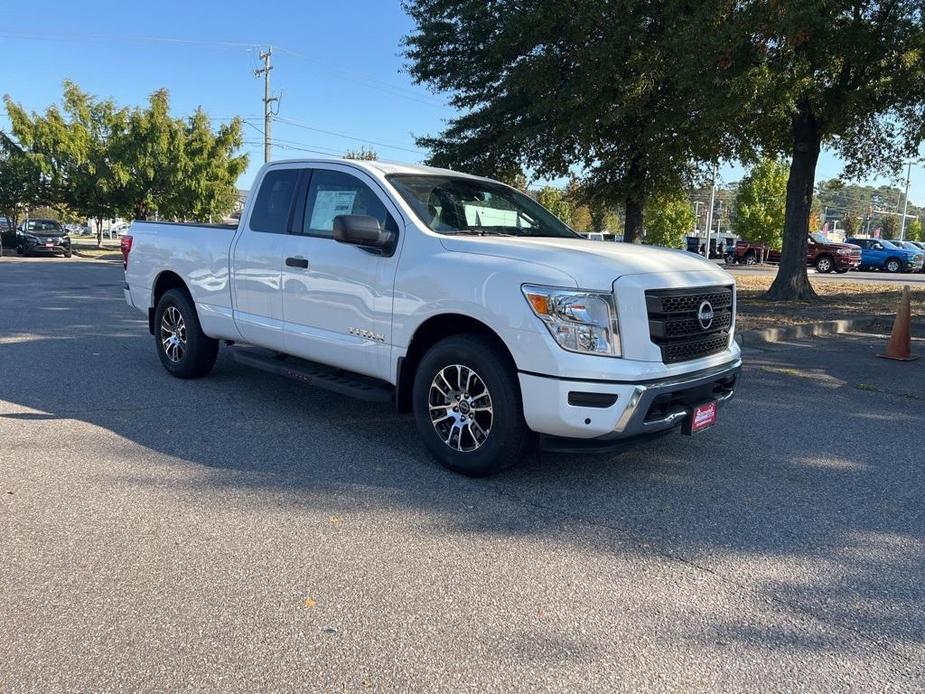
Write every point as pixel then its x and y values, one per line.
pixel 900 346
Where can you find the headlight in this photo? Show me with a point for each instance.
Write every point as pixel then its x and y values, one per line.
pixel 580 321
pixel 844 251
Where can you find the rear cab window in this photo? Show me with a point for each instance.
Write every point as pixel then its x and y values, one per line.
pixel 273 206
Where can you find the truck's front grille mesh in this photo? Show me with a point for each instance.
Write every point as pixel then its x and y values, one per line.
pixel 681 329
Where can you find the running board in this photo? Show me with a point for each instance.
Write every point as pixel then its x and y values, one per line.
pixel 336 380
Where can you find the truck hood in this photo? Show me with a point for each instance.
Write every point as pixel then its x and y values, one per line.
pixel 593 264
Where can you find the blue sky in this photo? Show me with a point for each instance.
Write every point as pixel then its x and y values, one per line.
pixel 337 64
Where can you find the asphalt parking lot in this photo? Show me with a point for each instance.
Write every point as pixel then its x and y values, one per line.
pixel 246 533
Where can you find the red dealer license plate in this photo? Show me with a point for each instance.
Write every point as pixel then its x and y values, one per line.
pixel 701 417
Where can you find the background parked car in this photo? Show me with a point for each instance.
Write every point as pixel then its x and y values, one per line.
pixel 821 253
pixel 879 254
pixel 911 246
pixel 42 236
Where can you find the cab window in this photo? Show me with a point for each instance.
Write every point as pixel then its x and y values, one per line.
pixel 274 201
pixel 333 193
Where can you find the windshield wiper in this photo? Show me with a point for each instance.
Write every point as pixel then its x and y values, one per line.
pixel 478 231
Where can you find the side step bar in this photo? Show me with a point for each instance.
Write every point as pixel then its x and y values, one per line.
pixel 336 380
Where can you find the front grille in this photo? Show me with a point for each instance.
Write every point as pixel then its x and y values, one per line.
pixel 674 324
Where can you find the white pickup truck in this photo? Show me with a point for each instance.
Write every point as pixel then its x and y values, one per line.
pixel 457 298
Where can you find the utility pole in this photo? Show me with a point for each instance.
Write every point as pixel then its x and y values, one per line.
pixel 267 100
pixel 709 224
pixel 902 226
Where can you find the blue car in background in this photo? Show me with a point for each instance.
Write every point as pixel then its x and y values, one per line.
pixel 878 254
pixel 912 246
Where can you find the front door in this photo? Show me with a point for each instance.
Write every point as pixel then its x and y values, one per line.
pixel 257 259
pixel 337 298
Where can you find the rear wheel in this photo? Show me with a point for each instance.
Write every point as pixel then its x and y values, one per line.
pixel 750 258
pixel 468 408
pixel 893 265
pixel 184 350
pixel 824 264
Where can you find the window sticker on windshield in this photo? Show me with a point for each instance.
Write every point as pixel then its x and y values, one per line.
pixel 329 204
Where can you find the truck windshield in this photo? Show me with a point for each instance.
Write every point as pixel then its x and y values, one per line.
pixel 457 205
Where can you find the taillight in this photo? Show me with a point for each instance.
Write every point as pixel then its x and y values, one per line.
pixel 126 245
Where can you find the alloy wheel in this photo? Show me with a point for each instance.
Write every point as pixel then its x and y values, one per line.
pixel 173 334
pixel 461 409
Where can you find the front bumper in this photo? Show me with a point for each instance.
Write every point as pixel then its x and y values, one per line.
pixel 603 412
pixel 846 261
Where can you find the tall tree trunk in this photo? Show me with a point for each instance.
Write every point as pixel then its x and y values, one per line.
pixel 632 229
pixel 99 232
pixel 792 281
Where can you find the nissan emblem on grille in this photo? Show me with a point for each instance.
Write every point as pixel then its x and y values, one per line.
pixel 705 315
pixel 690 324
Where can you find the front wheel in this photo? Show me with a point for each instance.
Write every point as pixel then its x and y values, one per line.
pixel 750 259
pixel 184 350
pixel 824 265
pixel 893 265
pixel 468 408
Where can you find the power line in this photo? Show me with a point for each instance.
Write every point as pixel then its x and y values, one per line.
pixel 395 90
pixel 88 36
pixel 297 124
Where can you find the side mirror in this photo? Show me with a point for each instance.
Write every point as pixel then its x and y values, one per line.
pixel 362 230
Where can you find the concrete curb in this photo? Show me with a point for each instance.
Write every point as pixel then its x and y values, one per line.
pixel 85 256
pixel 797 332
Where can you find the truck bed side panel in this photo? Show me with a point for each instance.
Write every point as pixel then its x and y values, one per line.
pixel 199 255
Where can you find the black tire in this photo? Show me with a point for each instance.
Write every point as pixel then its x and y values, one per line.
pixel 19 250
pixel 750 258
pixel 508 437
pixel 825 264
pixel 199 351
pixel 67 254
pixel 893 265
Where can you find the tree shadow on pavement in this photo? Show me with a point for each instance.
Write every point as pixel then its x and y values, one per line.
pixel 797 496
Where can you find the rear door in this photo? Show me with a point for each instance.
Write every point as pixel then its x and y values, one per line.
pixel 337 298
pixel 257 258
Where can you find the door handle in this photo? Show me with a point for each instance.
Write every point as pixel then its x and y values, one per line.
pixel 297 262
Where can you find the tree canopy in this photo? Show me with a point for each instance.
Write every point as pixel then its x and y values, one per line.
pixel 845 74
pixel 592 86
pixel 101 161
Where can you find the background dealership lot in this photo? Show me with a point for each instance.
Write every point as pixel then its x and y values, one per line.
pixel 243 532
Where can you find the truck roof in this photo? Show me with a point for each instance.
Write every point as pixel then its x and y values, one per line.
pixel 381 167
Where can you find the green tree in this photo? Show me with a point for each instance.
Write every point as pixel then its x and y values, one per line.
pixel 210 169
pixel 597 86
pixel 834 73
pixel 554 200
pixel 914 230
pixel 760 201
pixel 22 186
pixel 889 227
pixel 180 169
pixel 669 219
pixel 849 225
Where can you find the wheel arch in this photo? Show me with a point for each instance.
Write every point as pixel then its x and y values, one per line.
pixel 166 280
pixel 429 333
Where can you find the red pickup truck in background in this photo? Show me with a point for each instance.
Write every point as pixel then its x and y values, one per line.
pixel 821 253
